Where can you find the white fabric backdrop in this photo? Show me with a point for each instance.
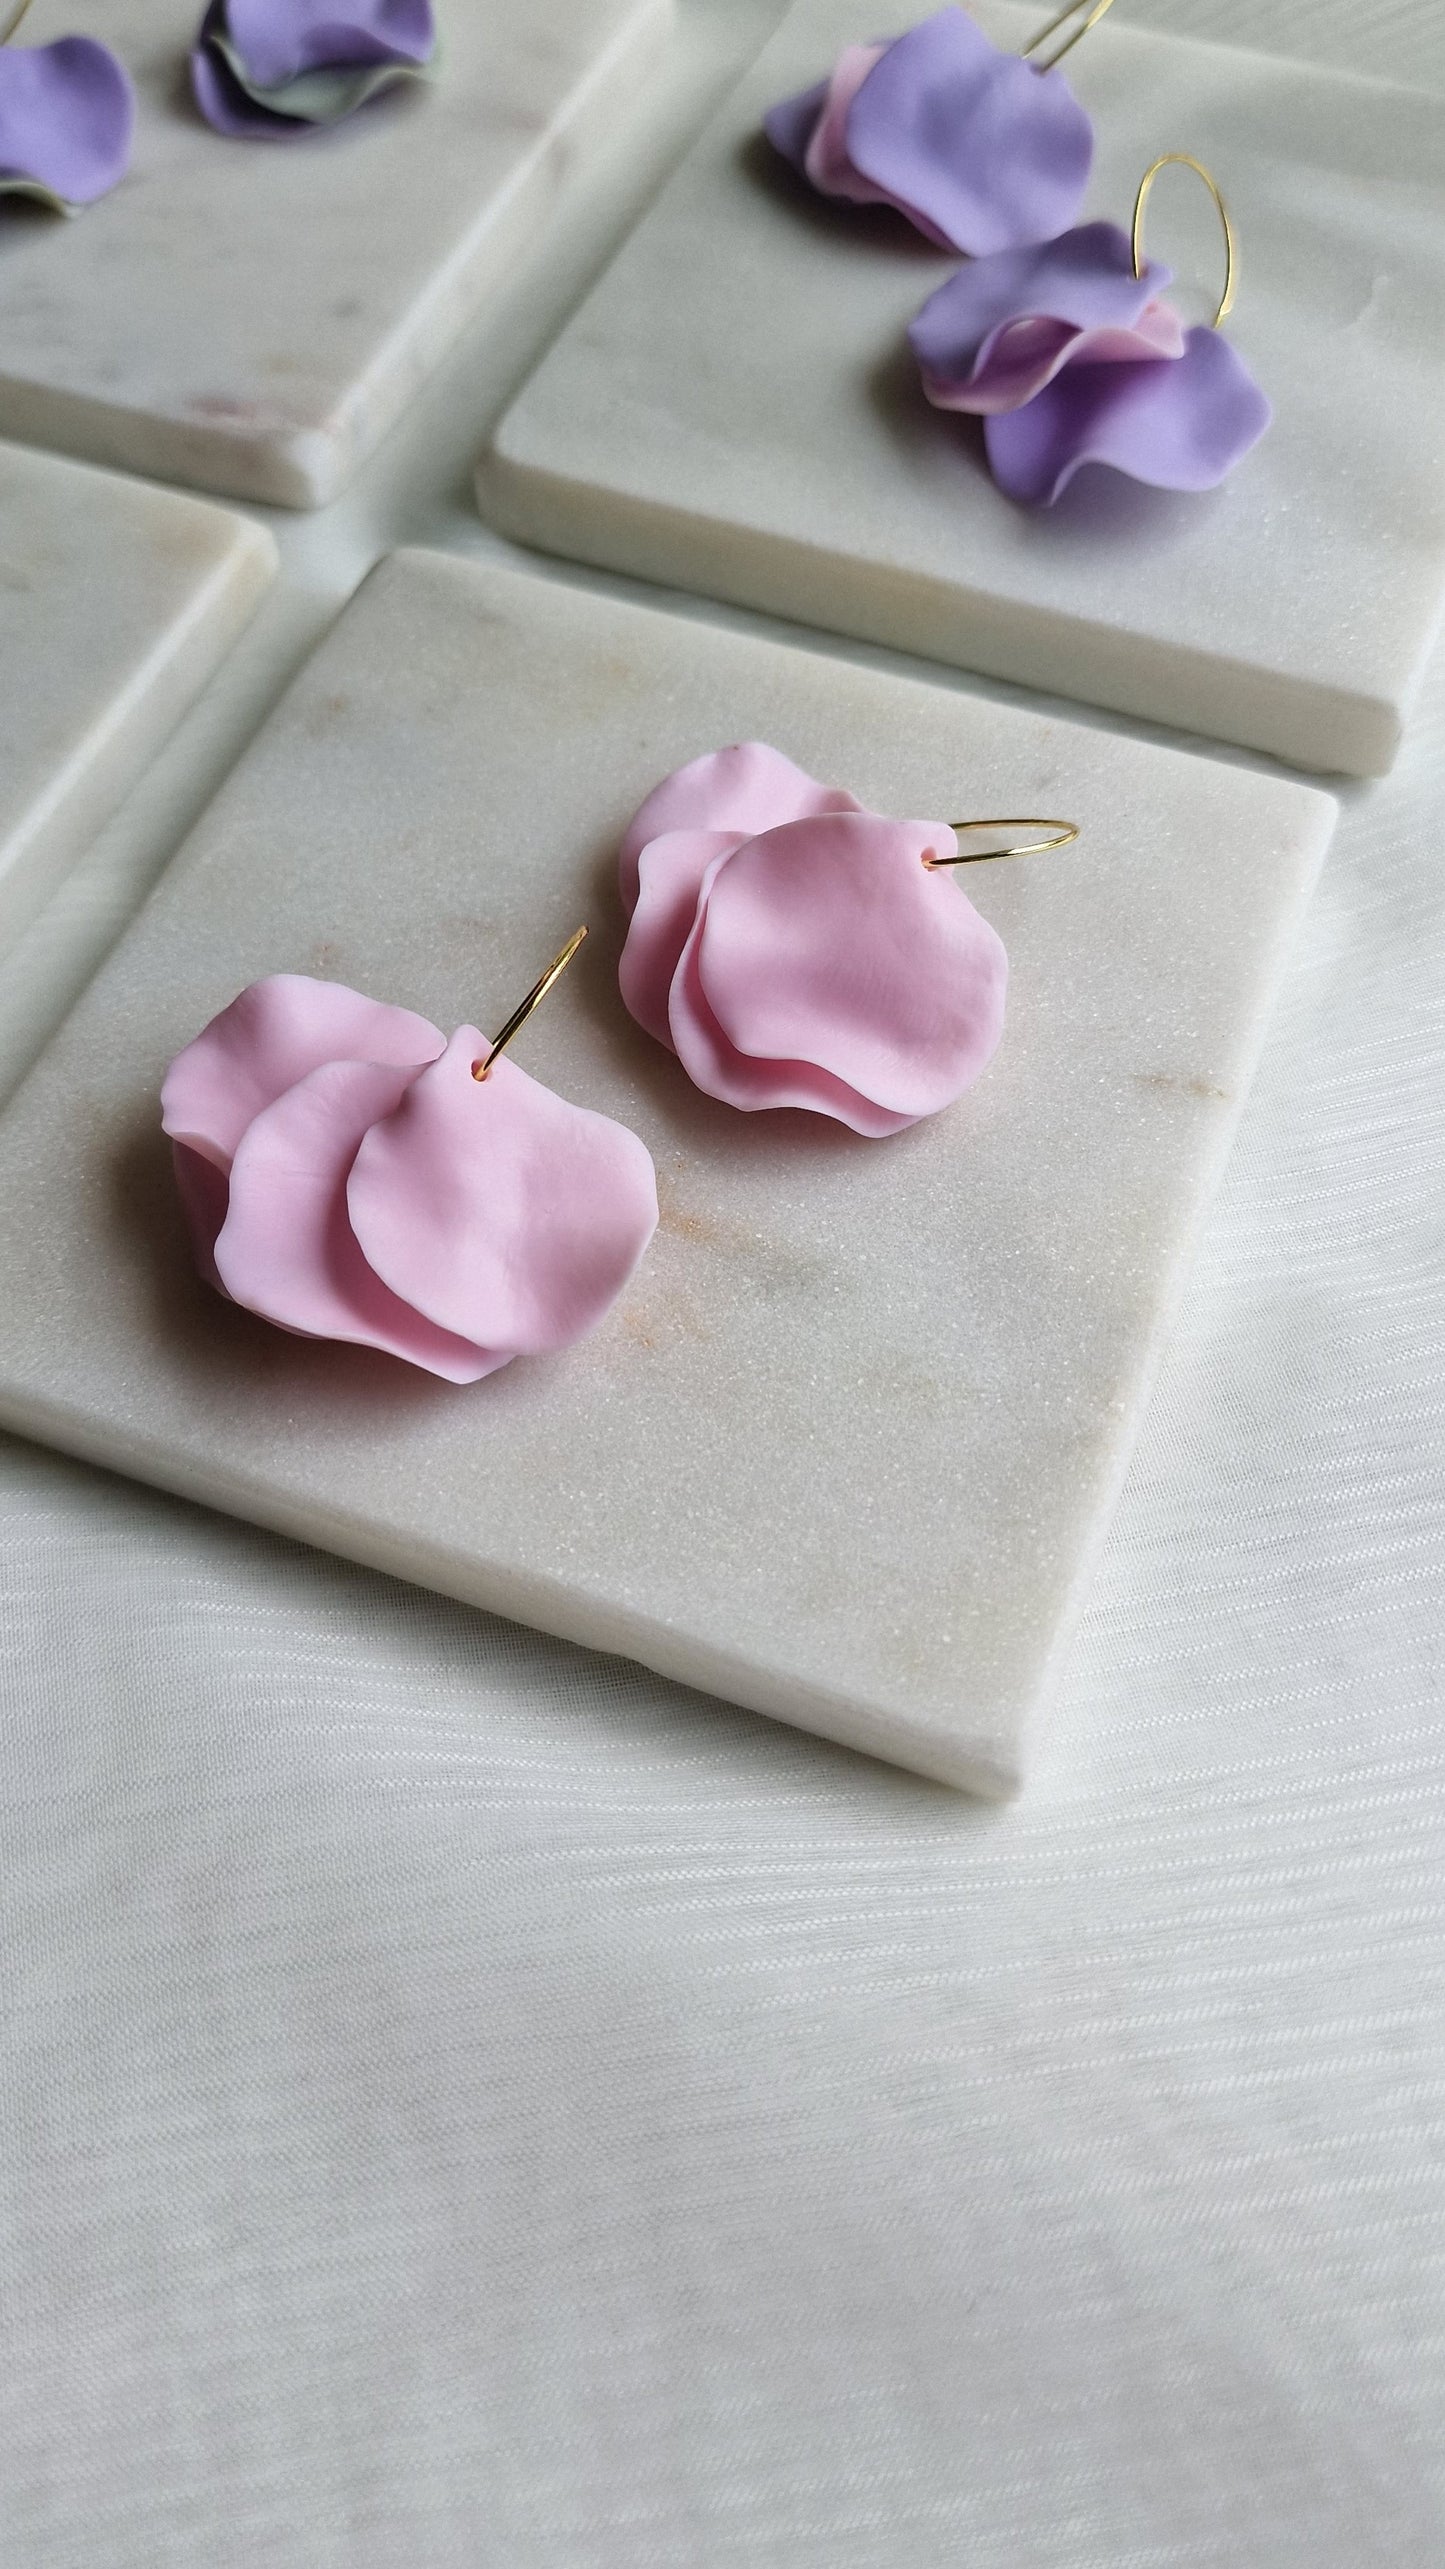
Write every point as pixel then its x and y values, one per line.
pixel 464 2103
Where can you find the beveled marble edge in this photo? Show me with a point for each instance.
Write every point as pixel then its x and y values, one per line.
pixel 138 720
pixel 1319 730
pixel 542 1604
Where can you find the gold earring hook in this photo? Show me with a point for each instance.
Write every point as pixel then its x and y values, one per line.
pixel 1186 160
pixel 1063 834
pixel 1091 14
pixel 20 13
pixel 534 998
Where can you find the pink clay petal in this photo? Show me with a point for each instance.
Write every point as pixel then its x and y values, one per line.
pixel 1010 367
pixel 830 941
pixel 743 789
pixel 268 1038
pixel 1159 326
pixel 1021 356
pixel 826 160
pixel 670 873
pixel 720 1070
pixel 205 1195
pixel 287 1249
pixel 503 1212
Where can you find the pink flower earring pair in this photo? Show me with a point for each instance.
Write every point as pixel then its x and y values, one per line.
pixel 347 1173
pixel 795 949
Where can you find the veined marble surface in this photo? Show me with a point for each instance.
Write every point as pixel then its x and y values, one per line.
pixel 735 409
pixel 252 317
pixel 116 604
pixel 846 1449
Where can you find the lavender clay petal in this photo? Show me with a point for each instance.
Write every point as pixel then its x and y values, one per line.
pixel 790 125
pixel 67 115
pixel 225 104
pixel 378 46
pixel 277 40
pixel 1180 427
pixel 1005 324
pixel 982 152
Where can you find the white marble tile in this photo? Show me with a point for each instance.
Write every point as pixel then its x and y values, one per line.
pixel 734 409
pixel 117 602
pixel 845 1449
pixel 252 317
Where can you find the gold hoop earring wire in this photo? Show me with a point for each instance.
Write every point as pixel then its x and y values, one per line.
pixel 1186 160
pixel 1091 15
pixel 534 999
pixel 1061 834
pixel 21 12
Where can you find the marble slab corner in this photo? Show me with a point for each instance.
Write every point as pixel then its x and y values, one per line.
pixel 118 602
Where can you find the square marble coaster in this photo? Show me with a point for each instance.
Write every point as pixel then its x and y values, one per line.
pixel 844 1450
pixel 116 604
pixel 734 408
pixel 252 317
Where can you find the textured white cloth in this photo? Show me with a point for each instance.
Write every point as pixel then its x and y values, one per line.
pixel 466 2103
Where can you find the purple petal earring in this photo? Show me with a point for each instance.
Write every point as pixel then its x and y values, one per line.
pixel 982 150
pixel 1070 356
pixel 67 115
pixel 273 70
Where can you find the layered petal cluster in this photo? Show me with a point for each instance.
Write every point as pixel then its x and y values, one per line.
pixel 67 117
pixel 794 949
pixel 1070 359
pixel 345 1176
pixel 271 70
pixel 978 149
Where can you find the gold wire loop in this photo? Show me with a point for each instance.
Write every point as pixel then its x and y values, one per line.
pixel 1091 10
pixel 1061 834
pixel 1186 160
pixel 22 12
pixel 534 998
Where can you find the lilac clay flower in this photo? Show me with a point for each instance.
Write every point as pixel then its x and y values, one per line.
pixel 271 70
pixel 1071 359
pixel 979 150
pixel 67 114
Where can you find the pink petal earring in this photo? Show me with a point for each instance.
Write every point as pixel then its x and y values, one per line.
pixel 794 949
pixel 348 1173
